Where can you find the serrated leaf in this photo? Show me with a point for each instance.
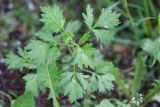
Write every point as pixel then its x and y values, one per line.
pixel 93 83
pixel 31 84
pixel 42 77
pixel 104 36
pixel 105 82
pixel 53 55
pixel 25 100
pixel 46 79
pixel 73 83
pixel 105 103
pixel 83 80
pixel 73 26
pixel 45 36
pixel 108 19
pixel 65 78
pixel 103 67
pixel 52 17
pixel 74 90
pixel 88 17
pixel 37 51
pixel 14 62
pixel 82 58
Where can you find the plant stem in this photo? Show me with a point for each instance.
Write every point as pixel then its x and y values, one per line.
pixel 121 85
pixel 125 4
pixel 55 103
pixel 159 22
pixel 120 81
pixel 151 94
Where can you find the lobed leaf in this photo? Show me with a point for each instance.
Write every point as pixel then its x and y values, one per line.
pixel 108 19
pixel 73 26
pixel 52 17
pixel 88 17
pixel 104 36
pixel 74 90
pixel 31 84
pixel 82 58
pixel 14 62
pixel 37 51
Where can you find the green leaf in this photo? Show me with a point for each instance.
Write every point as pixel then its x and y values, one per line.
pixel 148 46
pixel 25 100
pixel 53 55
pixel 105 78
pixel 122 104
pixel 104 36
pixel 65 78
pixel 45 78
pixel 31 84
pixel 42 53
pixel 101 83
pixel 73 83
pixel 42 77
pixel 108 19
pixel 14 62
pixel 88 17
pixel 105 103
pixel 84 38
pixel 83 80
pixel 74 90
pixel 45 35
pixel 103 67
pixel 52 17
pixel 82 57
pixel 157 97
pixel 105 82
pixel 68 37
pixel 93 83
pixel 37 51
pixel 152 47
pixel 73 26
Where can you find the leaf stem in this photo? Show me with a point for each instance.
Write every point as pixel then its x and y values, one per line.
pixel 125 4
pixel 151 94
pixel 55 103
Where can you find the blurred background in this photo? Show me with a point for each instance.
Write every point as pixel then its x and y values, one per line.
pixel 19 20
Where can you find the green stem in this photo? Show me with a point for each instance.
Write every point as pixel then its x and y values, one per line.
pixel 146 7
pixel 121 84
pixel 55 103
pixel 159 23
pixel 125 4
pixel 152 7
pixel 151 94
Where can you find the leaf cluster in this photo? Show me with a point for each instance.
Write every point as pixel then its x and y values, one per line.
pixel 85 72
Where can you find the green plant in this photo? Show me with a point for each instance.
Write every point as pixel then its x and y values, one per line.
pixel 76 69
